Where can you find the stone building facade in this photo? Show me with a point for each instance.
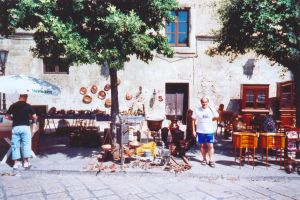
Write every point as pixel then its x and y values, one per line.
pixel 190 74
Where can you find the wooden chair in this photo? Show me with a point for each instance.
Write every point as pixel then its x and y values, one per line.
pixel 245 140
pixel 272 141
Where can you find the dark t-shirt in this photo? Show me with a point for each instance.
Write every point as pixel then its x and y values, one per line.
pixel 21 112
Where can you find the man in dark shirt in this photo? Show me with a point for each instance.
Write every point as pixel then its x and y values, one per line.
pixel 21 112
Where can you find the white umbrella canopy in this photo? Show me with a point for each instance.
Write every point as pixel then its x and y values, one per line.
pixel 22 84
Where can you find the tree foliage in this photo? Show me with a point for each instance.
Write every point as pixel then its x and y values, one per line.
pixel 268 27
pixel 91 31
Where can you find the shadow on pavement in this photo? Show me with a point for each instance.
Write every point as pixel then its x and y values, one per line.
pixel 53 144
pixel 226 162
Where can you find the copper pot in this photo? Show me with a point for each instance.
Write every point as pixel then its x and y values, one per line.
pixel 97 111
pixel 52 110
pixel 154 124
pixel 81 112
pixel 83 90
pixel 101 95
pixel 62 112
pixel 70 112
pixel 94 89
pixel 87 99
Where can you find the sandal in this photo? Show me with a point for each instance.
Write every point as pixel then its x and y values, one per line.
pixel 211 164
pixel 203 162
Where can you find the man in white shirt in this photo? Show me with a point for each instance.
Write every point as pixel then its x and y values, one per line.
pixel 203 117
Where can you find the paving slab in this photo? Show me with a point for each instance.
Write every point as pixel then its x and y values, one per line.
pixel 139 187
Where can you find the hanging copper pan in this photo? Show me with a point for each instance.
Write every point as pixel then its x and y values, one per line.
pixel 83 90
pixel 87 99
pixel 94 89
pixel 107 103
pixel 101 95
pixel 107 87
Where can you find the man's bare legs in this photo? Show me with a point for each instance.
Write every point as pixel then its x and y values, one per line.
pixel 211 162
pixel 203 152
pixel 211 152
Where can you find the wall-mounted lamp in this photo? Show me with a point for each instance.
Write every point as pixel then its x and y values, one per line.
pixel 3 58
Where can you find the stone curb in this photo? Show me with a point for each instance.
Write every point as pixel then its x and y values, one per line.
pixel 229 177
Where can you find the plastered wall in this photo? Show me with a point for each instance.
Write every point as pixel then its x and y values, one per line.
pixel 215 77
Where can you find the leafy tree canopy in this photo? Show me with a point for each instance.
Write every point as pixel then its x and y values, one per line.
pixel 269 27
pixel 91 31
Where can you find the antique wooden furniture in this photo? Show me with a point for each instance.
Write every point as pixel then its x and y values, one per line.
pixel 287 103
pixel 292 150
pixel 272 141
pixel 245 140
pixel 255 101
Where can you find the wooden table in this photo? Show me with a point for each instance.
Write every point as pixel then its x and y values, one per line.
pixel 272 141
pixel 78 120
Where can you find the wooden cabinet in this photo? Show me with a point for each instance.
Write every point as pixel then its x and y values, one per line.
pixel 287 103
pixel 245 140
pixel 272 141
pixel 255 100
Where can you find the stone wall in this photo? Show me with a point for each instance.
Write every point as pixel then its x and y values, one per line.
pixel 215 77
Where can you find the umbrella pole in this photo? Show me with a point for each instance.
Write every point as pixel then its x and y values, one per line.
pixel 4 102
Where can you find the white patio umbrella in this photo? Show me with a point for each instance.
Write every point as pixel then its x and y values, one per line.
pixel 22 84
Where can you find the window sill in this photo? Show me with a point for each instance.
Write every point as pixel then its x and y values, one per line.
pixel 58 73
pixel 254 110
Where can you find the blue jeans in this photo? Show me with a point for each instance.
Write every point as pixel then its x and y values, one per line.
pixel 21 134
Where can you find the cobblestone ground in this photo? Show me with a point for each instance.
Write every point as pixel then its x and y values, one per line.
pixel 131 187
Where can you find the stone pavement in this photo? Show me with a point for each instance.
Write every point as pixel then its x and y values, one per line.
pixel 57 157
pixel 143 186
pixel 62 172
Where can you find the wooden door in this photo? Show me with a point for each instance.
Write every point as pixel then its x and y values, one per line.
pixel 177 96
